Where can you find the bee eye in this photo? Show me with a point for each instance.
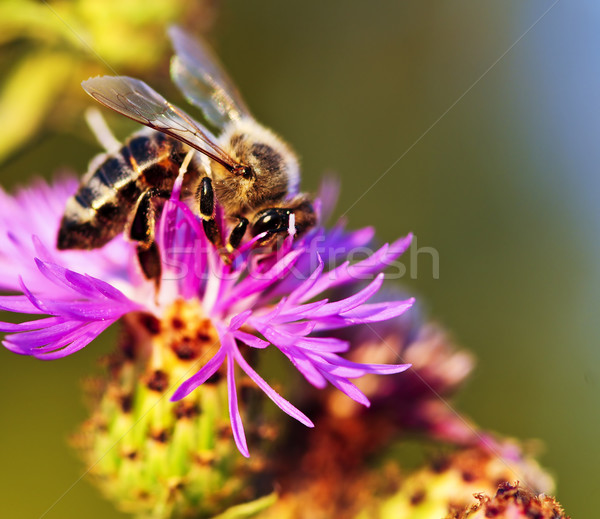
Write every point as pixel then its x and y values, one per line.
pixel 271 220
pixel 244 171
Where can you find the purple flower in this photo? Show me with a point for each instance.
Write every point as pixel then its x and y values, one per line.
pixel 260 301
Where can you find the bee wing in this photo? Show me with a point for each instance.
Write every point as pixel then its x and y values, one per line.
pixel 136 100
pixel 196 71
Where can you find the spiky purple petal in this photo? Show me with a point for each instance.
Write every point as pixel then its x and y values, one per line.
pixel 234 412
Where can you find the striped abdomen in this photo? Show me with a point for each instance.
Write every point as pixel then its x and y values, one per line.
pixel 102 207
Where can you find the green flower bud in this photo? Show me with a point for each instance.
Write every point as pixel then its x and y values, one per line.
pixel 160 459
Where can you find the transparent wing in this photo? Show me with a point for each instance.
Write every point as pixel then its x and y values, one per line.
pixel 136 100
pixel 196 71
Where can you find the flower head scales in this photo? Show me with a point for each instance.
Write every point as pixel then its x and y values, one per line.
pixel 261 301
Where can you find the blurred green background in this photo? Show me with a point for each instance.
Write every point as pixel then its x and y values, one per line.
pixel 505 187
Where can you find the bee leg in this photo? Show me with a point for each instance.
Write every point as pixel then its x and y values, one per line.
pixel 236 235
pixel 141 231
pixel 101 130
pixel 149 260
pixel 206 200
pixel 142 226
pixel 212 232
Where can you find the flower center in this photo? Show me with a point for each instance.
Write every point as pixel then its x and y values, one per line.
pixel 173 347
pixel 187 332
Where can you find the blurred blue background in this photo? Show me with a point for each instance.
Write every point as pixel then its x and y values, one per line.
pixel 505 187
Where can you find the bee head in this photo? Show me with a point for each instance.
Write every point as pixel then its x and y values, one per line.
pixel 271 167
pixel 276 222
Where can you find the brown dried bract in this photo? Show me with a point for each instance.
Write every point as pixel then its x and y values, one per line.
pixel 512 501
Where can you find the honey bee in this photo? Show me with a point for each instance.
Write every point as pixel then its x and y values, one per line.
pixel 251 172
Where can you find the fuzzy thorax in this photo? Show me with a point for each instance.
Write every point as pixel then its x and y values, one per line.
pixel 276 173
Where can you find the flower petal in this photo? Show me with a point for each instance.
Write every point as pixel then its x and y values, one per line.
pixel 349 389
pixel 281 402
pixel 19 304
pixel 257 282
pixel 234 412
pixel 347 273
pixel 86 335
pixel 250 340
pixel 83 308
pixel 305 366
pixel 207 371
pixel 30 325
